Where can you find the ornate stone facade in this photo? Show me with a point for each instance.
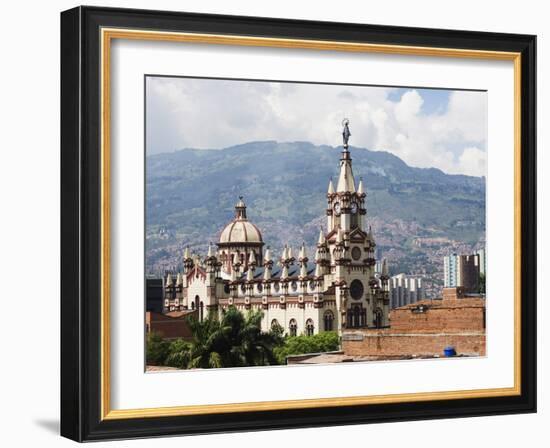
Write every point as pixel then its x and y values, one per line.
pixel 334 291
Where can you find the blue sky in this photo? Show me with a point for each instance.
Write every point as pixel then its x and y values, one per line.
pixel 438 128
pixel 435 100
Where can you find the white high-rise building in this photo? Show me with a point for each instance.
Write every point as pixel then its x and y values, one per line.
pixel 482 261
pixel 405 290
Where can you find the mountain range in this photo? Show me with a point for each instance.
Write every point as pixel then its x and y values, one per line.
pixel 190 196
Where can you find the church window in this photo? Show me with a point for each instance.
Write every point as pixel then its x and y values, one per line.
pixel 276 287
pixel 275 324
pixel 226 288
pixel 243 287
pixel 309 327
pixel 356 317
pixel 260 287
pixel 328 321
pixel 293 327
pixel 356 289
pixel 312 286
pixel 356 253
pixel 294 286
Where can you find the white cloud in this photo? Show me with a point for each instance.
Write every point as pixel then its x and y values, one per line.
pixel 216 114
pixel 474 161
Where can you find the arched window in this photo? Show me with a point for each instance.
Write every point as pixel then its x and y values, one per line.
pixel 293 327
pixel 356 317
pixel 309 327
pixel 274 324
pixel 328 320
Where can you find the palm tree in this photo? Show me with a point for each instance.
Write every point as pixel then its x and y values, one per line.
pixel 207 345
pixel 235 341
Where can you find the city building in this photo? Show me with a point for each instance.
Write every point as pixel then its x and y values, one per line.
pixel 462 271
pixel 404 290
pixel 482 261
pixel 154 295
pixel 335 290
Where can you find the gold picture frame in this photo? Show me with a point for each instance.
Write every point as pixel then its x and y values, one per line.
pixel 108 30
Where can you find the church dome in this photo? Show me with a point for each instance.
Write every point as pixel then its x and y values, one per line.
pixel 240 230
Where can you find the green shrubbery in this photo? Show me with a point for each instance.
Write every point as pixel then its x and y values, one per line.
pixel 297 345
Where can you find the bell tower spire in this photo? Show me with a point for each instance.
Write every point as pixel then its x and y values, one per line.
pixel 345 208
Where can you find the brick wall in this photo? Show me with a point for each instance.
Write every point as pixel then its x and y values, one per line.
pixel 425 329
pixel 440 315
pixel 386 343
pixel 171 325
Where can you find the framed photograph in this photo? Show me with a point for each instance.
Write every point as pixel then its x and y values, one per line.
pixel 273 223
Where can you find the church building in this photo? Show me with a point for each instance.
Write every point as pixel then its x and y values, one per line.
pixel 331 290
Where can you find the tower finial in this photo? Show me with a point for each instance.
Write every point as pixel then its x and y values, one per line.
pixel 240 209
pixel 346 133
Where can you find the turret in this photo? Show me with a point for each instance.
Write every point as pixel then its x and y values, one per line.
pixel 169 282
pixel 318 271
pixel 330 187
pixel 322 240
pixel 211 260
pixel 249 274
pixel 268 261
pixel 252 260
pixel 237 262
pixel 240 209
pixel 385 275
pixel 286 258
pixel 284 272
pixel 360 188
pixel 187 260
pixel 302 258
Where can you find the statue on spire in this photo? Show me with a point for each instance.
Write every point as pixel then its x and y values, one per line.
pixel 346 133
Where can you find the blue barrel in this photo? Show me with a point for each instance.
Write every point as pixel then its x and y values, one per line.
pixel 449 351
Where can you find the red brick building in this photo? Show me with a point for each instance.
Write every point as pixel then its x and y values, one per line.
pixel 172 325
pixel 425 329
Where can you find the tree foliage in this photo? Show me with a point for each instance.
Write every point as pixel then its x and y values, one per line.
pixel 297 345
pixel 157 349
pixel 482 283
